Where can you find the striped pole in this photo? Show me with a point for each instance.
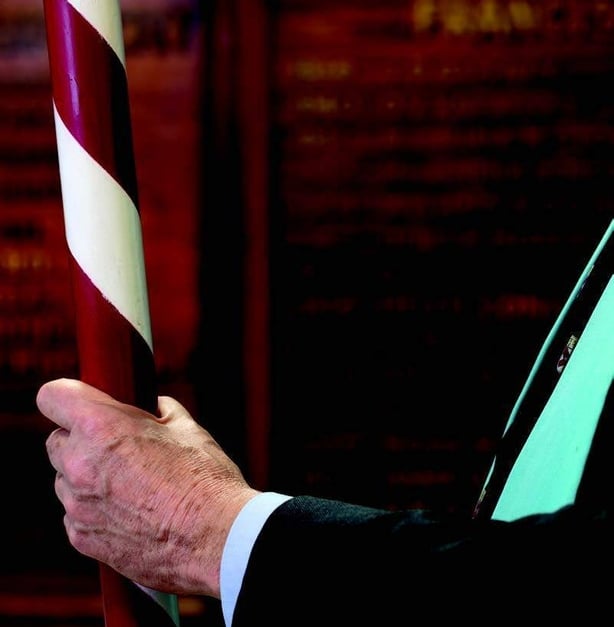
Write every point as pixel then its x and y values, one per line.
pixel 103 231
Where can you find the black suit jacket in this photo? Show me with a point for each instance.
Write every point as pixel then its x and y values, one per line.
pixel 325 563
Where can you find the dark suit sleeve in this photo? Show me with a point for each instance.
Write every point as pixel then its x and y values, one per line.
pixel 319 562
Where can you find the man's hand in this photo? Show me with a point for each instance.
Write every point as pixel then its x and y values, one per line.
pixel 152 497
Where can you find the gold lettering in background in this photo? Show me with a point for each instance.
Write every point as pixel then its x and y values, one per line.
pixel 463 17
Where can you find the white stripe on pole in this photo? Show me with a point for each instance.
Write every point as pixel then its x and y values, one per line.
pixel 102 229
pixel 105 17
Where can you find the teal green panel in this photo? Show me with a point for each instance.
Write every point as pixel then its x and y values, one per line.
pixel 548 470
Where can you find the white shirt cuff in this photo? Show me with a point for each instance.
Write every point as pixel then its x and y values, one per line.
pixel 238 547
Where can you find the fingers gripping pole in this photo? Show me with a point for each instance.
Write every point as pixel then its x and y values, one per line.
pixel 103 233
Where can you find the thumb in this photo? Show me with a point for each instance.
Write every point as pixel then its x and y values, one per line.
pixel 64 400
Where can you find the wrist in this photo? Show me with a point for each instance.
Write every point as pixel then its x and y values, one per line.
pixel 223 515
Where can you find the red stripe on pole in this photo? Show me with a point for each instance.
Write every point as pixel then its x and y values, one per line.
pixel 90 92
pixel 113 355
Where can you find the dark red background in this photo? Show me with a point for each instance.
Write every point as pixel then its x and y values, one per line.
pixel 360 220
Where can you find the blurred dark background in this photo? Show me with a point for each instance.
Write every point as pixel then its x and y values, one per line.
pixel 360 220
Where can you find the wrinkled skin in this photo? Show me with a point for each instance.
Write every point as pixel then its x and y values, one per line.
pixel 151 496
